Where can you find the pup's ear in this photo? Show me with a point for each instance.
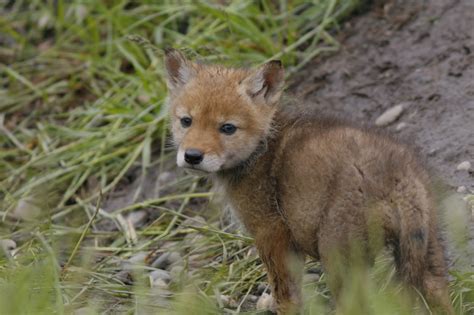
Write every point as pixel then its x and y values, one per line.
pixel 266 82
pixel 179 69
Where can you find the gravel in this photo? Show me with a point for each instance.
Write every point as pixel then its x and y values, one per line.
pixel 390 115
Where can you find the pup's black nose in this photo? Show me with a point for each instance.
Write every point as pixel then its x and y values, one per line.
pixel 193 156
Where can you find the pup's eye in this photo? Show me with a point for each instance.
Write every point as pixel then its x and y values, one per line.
pixel 186 122
pixel 228 129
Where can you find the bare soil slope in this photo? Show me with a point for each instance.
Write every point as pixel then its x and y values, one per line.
pixel 419 53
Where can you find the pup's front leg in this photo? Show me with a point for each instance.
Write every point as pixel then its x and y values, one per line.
pixel 283 263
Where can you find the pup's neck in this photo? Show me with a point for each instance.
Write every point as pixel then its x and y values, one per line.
pixel 234 174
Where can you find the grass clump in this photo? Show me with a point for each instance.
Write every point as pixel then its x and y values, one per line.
pixel 82 116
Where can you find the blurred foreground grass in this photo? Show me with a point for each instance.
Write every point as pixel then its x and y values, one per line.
pixel 81 113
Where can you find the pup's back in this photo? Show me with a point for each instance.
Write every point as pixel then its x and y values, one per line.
pixel 341 186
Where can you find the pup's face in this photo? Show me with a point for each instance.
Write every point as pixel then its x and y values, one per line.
pixel 219 115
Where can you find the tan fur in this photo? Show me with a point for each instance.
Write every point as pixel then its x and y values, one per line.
pixel 302 184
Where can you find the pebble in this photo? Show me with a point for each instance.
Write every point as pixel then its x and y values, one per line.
pixel 136 260
pixel 159 283
pixel 401 126
pixel 166 259
pixel 174 257
pixel 44 20
pixel 81 13
pixel 462 189
pixel 124 276
pixel 390 115
pixel 265 302
pixel 160 274
pixel 137 218
pixel 161 262
pixel 433 151
pixel 464 166
pixel 263 287
pixel 8 244
pixel 143 98
pixel 176 273
pixel 26 210
pixel 166 178
pixel 252 298
pixel 227 301
pixel 224 298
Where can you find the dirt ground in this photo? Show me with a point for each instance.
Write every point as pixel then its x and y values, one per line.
pixel 416 53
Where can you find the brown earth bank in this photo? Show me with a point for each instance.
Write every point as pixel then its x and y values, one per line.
pixel 418 54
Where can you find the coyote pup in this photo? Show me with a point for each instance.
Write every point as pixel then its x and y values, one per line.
pixel 302 184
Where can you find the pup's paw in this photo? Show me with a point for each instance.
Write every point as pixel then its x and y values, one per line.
pixel 266 302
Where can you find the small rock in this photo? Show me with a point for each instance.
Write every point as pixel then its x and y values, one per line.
pixel 464 166
pixel 138 258
pixel 26 210
pixel 166 178
pixel 401 126
pixel 262 287
pixel 224 298
pixel 44 20
pixel 227 301
pixel 252 298
pixel 462 189
pixel 176 273
pixel 433 151
pixel 143 98
pixel 160 274
pixel 166 259
pixel 161 262
pixel 124 276
pixel 265 302
pixel 135 261
pixel 174 257
pixel 137 218
pixel 390 115
pixel 159 283
pixel 81 13
pixel 7 244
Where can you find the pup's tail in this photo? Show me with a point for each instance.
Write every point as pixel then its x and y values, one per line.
pixel 413 241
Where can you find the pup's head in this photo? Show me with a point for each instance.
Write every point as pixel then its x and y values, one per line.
pixel 220 115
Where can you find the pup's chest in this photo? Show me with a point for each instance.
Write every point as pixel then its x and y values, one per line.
pixel 253 202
